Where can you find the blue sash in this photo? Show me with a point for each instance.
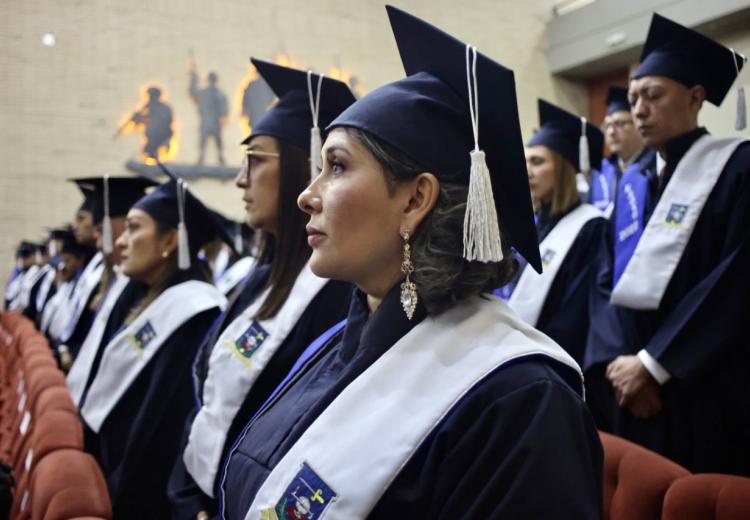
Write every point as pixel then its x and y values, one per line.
pixel 603 185
pixel 308 353
pixel 630 207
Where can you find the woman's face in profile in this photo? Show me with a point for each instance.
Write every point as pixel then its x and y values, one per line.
pixel 259 178
pixel 354 219
pixel 540 165
pixel 141 247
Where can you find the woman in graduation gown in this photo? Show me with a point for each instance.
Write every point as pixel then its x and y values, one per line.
pixel 557 301
pixel 434 400
pixel 138 391
pixel 283 306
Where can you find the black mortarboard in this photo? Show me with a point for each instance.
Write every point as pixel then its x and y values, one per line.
pixel 562 132
pixel 617 100
pixel 70 245
pixel 59 233
pixel 87 190
pixel 427 116
pixel 291 118
pixel 25 249
pixel 174 205
pixel 689 57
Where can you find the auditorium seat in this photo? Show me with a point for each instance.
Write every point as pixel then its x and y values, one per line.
pixel 635 480
pixel 708 496
pixel 67 484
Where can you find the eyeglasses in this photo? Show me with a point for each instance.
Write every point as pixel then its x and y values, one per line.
pixel 617 124
pixel 245 170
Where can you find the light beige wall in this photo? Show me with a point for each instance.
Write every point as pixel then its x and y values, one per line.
pixel 61 104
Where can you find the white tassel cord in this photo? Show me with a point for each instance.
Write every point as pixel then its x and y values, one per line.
pixel 481 228
pixel 584 163
pixel 183 246
pixel 316 143
pixel 740 122
pixel 107 239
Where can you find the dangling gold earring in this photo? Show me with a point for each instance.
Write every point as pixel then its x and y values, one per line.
pixel 408 289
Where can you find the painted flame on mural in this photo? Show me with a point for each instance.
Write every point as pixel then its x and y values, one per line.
pixel 135 121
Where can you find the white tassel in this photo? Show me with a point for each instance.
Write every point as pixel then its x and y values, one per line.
pixel 481 230
pixel 482 239
pixel 741 122
pixel 239 244
pixel 584 164
pixel 52 249
pixel 38 257
pixel 183 248
pixel 107 242
pixel 316 147
pixel 316 143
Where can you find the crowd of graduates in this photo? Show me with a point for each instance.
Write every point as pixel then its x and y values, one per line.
pixel 408 320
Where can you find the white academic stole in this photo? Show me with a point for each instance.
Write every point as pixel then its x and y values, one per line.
pixel 531 291
pixel 348 457
pixel 30 277
pixel 57 309
pixel 660 248
pixel 87 283
pixel 238 358
pixel 79 372
pixel 131 349
pixel 234 275
pixel 41 295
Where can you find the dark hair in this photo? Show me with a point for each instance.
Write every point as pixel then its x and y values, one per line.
pixel 441 274
pixel 288 251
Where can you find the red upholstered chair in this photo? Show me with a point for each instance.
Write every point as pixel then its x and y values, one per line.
pixel 68 484
pixel 708 496
pixel 55 430
pixel 635 480
pixel 54 398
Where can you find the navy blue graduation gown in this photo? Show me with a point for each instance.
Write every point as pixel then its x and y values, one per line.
pixel 493 456
pixel 138 442
pixel 31 311
pixel 565 314
pixel 326 309
pixel 696 333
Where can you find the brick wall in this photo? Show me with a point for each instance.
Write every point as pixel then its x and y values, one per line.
pixel 61 104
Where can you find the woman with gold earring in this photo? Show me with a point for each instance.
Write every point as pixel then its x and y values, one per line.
pixel 137 395
pixel 434 400
pixel 570 232
pixel 283 306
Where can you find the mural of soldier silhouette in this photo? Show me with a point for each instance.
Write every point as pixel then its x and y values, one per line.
pixel 156 119
pixel 212 108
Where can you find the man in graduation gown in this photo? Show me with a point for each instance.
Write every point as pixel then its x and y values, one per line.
pixel 667 353
pixel 626 146
pixel 25 258
pixel 108 222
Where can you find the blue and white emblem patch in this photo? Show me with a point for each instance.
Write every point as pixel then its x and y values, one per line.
pixel 547 257
pixel 676 214
pixel 249 342
pixel 307 497
pixel 143 337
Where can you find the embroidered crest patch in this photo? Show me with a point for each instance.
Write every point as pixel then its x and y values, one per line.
pixel 547 257
pixel 143 337
pixel 307 497
pixel 676 214
pixel 250 341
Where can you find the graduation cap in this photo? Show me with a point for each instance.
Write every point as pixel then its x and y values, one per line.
pixel 691 58
pixel 307 102
pixel 59 233
pixel 577 140
pixel 456 115
pixel 88 191
pixel 69 243
pixel 173 204
pixel 113 197
pixel 617 100
pixel 25 249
